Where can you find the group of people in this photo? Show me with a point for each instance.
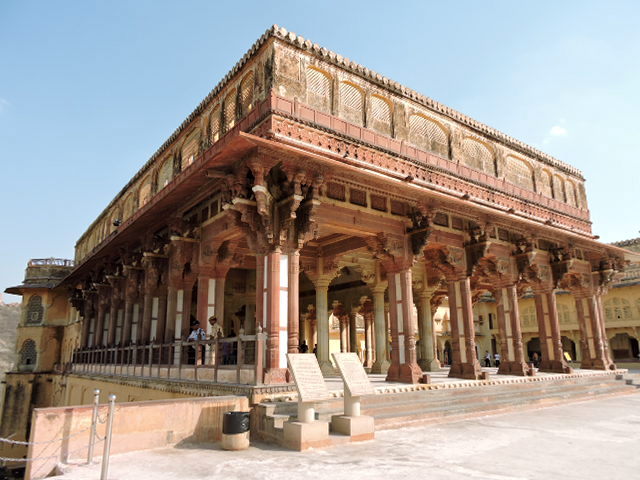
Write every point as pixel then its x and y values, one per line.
pixel 487 359
pixel 304 348
pixel 196 353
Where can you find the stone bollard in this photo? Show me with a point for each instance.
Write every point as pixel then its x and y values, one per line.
pixel 235 431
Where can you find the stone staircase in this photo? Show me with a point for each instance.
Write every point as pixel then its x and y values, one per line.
pixel 401 406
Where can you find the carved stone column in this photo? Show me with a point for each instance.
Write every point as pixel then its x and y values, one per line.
pixel 293 302
pixel 594 354
pixel 404 366
pixel 513 361
pixel 132 285
pixel 381 364
pixel 464 362
pixel 104 293
pixel 88 314
pixel 274 293
pixel 367 314
pixel 321 284
pixel 114 304
pixel 152 266
pixel 427 361
pixel 549 333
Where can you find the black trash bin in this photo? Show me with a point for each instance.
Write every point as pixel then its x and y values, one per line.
pixel 235 422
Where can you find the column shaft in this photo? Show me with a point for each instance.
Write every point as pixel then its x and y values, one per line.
pixel 381 364
pixel 404 366
pixel 464 360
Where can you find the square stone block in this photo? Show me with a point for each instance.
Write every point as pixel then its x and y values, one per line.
pixel 359 428
pixel 301 436
pixel 236 441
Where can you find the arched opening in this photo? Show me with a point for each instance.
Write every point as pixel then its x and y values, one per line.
pixel 447 352
pixel 478 156
pixel 28 356
pixel 569 346
pixel 35 311
pixel 624 347
pixel 319 91
pixel 428 134
pixel 351 103
pixel 533 347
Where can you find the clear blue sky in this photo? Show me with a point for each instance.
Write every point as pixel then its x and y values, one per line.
pixel 90 89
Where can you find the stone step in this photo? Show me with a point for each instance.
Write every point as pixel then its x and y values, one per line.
pixel 463 400
pixel 478 395
pixel 446 413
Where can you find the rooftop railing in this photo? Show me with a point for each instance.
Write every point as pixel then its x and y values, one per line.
pixel 48 262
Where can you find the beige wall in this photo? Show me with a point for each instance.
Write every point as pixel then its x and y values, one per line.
pixel 136 426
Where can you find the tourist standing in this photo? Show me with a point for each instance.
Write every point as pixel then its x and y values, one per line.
pixel 487 358
pixel 496 357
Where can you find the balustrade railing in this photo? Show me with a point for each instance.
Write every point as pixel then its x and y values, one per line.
pixel 222 360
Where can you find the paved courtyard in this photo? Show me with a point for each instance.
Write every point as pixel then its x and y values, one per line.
pixel 587 440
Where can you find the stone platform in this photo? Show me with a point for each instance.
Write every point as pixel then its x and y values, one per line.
pixel 446 399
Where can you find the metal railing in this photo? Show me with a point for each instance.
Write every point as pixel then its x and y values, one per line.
pixel 219 360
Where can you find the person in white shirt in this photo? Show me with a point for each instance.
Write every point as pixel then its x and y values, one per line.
pixel 216 329
pixel 496 357
pixel 196 355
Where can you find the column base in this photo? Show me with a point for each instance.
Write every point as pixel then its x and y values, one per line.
pixel 516 368
pixel 302 436
pixel 555 366
pixel 404 373
pixel 597 364
pixel 470 371
pixel 380 367
pixel 429 366
pixel 276 375
pixel 358 428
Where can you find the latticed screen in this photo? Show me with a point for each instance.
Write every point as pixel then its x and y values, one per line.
pixel 380 110
pixel 35 311
pixel 558 188
pixel 246 93
pixel 571 194
pixel 529 316
pixel 618 309
pixel 129 207
pixel 351 101
pixel 519 173
pixel 564 314
pixel 28 354
pixel 477 156
pixel 230 111
pixel 318 89
pixel 545 184
pixel 215 126
pixel 145 192
pixel 190 150
pixel 166 173
pixel 428 134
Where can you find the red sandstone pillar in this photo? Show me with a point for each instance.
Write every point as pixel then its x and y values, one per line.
pixel 404 366
pixel 293 303
pixel 549 333
pixel 97 336
pixel 513 361
pixel 113 318
pixel 275 293
pixel 608 358
pixel 594 354
pixel 464 361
